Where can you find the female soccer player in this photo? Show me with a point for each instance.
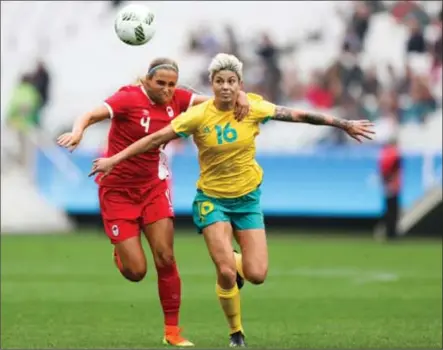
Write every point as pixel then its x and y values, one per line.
pixel 228 190
pixel 136 196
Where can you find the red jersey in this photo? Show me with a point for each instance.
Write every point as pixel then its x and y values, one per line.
pixel 133 116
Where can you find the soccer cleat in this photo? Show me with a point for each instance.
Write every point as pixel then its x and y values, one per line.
pixel 237 340
pixel 240 279
pixel 173 337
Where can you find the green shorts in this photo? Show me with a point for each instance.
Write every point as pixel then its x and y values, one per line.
pixel 244 213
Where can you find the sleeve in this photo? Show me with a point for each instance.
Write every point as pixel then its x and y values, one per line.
pixel 185 99
pixel 187 123
pixel 262 110
pixel 118 104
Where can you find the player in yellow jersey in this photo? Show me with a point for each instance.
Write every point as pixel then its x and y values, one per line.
pixel 227 202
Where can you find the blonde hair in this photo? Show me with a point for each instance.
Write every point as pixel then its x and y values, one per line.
pixel 161 63
pixel 158 63
pixel 138 81
pixel 223 61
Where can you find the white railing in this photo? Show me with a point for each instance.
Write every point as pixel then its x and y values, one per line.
pixel 38 140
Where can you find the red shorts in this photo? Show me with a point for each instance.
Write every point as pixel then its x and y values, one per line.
pixel 126 210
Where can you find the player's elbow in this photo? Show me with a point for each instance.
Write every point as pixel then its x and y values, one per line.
pixel 162 137
pixel 156 141
pixel 99 114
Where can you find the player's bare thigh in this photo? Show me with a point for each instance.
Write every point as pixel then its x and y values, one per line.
pixel 218 238
pixel 120 212
pixel 158 224
pixel 160 235
pixel 132 257
pixel 254 250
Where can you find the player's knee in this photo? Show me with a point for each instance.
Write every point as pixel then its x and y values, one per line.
pixel 164 258
pixel 134 273
pixel 256 274
pixel 227 274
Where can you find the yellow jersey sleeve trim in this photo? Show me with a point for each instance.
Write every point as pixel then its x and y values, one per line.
pixel 264 121
pixel 182 135
pixel 179 133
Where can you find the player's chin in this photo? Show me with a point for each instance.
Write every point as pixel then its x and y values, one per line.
pixel 165 99
pixel 161 98
pixel 226 98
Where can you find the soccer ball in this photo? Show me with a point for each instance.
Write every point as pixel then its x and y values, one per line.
pixel 134 24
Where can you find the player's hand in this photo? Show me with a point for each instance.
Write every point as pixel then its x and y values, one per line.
pixel 359 129
pixel 69 140
pixel 241 107
pixel 102 165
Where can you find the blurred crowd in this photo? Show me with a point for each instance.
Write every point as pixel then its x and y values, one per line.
pixel 356 90
pixel 350 86
pixel 24 109
pixel 29 97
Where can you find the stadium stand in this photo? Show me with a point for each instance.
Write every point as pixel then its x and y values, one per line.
pixel 352 59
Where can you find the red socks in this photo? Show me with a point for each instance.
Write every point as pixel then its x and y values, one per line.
pixel 169 290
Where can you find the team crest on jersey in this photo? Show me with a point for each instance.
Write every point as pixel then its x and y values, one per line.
pixel 115 230
pixel 170 111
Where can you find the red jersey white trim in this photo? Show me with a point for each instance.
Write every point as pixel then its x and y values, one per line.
pixel 163 170
pixel 111 112
pixel 191 101
pixel 135 116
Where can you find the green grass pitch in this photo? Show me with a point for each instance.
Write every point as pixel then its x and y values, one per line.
pixel 63 291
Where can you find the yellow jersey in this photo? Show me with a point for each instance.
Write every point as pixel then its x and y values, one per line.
pixel 226 148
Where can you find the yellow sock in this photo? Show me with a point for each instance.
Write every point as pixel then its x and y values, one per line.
pixel 239 264
pixel 230 303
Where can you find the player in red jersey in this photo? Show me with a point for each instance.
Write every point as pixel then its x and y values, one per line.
pixel 136 196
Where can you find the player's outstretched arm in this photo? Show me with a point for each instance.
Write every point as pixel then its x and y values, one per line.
pixel 357 129
pixel 147 143
pixel 71 140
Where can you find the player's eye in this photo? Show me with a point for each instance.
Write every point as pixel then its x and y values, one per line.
pixel 161 82
pixel 171 84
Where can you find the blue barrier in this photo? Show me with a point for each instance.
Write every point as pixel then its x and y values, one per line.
pixel 338 182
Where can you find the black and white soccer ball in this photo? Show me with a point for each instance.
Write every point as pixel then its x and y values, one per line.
pixel 134 24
